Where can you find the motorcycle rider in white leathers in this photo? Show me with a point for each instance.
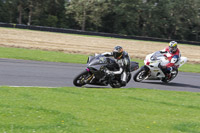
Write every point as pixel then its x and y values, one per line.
pixel 122 59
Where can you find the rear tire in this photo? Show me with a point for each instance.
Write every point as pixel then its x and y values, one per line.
pixel 129 77
pixel 174 74
pixel 115 85
pixel 79 79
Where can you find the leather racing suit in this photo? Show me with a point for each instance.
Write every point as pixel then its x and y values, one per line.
pixel 124 66
pixel 173 58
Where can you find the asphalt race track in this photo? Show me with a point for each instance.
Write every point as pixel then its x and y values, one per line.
pixel 50 74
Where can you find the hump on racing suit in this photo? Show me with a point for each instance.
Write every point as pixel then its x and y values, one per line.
pixel 123 62
pixel 124 65
pixel 172 57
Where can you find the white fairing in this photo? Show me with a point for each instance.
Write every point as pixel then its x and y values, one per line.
pixel 182 61
pixel 154 69
pixel 152 61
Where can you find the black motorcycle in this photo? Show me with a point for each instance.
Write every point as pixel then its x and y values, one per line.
pixel 95 73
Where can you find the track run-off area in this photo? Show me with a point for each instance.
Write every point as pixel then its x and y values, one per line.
pixel 51 74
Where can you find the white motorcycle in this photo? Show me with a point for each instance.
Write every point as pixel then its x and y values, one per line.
pixel 152 70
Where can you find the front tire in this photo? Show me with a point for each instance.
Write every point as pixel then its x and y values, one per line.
pixel 79 80
pixel 140 75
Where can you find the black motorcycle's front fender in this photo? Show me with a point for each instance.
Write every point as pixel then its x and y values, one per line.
pixel 134 66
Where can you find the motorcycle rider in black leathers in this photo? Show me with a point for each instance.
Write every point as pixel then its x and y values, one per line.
pixel 122 59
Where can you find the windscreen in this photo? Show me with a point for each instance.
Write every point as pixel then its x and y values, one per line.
pixel 156 56
pixel 100 59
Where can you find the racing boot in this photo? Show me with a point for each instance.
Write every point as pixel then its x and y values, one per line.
pixel 168 75
pixel 123 83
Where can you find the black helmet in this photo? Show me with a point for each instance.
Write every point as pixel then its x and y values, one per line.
pixel 117 52
pixel 172 46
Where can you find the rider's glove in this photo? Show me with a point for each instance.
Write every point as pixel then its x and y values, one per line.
pixel 109 72
pixel 163 52
pixel 163 67
pixel 159 66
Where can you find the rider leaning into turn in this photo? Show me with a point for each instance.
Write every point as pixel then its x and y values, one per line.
pixel 123 60
pixel 173 55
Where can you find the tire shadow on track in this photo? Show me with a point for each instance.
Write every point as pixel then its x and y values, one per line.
pixel 97 87
pixel 182 85
pixel 101 87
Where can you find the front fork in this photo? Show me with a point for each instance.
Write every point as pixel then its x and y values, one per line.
pixel 88 78
pixel 147 71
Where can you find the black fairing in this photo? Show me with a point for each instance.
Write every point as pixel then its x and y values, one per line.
pixel 90 58
pixel 134 66
pixel 100 60
pixel 95 73
pixel 99 63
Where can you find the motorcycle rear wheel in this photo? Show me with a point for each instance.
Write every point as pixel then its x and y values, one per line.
pixel 173 75
pixel 115 85
pixel 129 77
pixel 79 80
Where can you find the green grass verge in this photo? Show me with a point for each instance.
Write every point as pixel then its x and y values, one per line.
pixel 95 110
pixel 39 55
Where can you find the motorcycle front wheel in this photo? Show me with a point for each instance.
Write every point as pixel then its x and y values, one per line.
pixel 80 79
pixel 140 75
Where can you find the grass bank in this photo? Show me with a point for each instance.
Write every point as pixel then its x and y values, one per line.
pixel 39 55
pixel 89 110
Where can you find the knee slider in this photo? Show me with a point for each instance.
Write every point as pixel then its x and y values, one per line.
pixel 123 83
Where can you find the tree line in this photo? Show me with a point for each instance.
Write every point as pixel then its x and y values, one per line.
pixel 170 19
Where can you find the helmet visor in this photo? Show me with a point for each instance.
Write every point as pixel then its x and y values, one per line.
pixel 173 49
pixel 116 54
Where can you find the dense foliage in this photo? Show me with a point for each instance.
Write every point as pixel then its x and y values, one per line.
pixel 171 19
